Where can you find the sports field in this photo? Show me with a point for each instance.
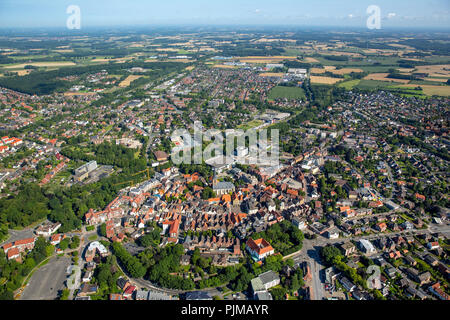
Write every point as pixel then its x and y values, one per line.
pixel 287 92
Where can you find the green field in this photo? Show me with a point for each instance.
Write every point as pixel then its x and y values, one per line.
pixel 407 92
pixel 33 57
pixel 383 85
pixel 348 85
pixel 184 52
pixel 427 82
pixel 373 84
pixel 287 92
pixel 376 69
pixel 293 52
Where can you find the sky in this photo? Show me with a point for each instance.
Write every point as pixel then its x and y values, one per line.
pixel 344 13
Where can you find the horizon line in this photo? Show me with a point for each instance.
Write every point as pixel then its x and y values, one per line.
pixel 235 26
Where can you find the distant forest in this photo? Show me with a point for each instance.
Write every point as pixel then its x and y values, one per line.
pixel 43 83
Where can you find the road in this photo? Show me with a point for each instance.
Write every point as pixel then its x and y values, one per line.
pixel 313 256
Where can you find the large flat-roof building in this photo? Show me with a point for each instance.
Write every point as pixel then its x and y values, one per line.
pixel 264 282
pixel 83 172
pixel 366 246
pixel 223 187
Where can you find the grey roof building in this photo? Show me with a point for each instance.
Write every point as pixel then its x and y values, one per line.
pixel 153 295
pixel 223 187
pixel 141 295
pixel 257 286
pixel 347 284
pixel 198 295
pixel 263 296
pixel 269 279
pixel 265 281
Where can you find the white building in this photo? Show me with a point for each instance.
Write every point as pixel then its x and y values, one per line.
pixel 299 223
pixel 264 282
pixel 241 151
pixel 366 246
pixel 97 247
pixel 46 230
pixel 83 172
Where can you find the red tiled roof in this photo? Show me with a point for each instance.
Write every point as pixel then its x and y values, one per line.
pixel 260 246
pixel 12 252
pixel 7 246
pixel 24 241
pixel 129 290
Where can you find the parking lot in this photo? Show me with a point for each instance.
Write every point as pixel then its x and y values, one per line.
pixel 47 281
pixel 15 235
pixel 133 248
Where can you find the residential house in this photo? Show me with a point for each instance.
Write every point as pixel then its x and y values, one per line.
pixel 348 248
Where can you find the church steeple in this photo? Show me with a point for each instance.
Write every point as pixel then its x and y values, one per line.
pixel 215 180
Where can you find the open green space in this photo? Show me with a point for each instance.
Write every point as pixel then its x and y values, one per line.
pixel 287 92
pixel 250 125
pixel 348 85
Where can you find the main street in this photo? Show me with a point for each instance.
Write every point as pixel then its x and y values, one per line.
pixel 312 255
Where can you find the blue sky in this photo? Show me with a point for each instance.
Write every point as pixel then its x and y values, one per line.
pixel 395 13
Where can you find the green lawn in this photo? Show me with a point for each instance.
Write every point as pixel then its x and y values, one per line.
pixel 251 124
pixel 93 237
pixel 287 92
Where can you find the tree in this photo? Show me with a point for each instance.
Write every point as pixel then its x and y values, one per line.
pixel 294 284
pixel 131 263
pixel 151 239
pixel 64 244
pixel 64 294
pixel 330 253
pixel 6 295
pixel 49 250
pixel 290 262
pixel 103 229
pixel 75 242
pixel 378 295
pixel 208 193
pixel 279 293
pixel 195 256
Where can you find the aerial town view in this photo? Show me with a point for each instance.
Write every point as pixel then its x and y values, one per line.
pixel 237 155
